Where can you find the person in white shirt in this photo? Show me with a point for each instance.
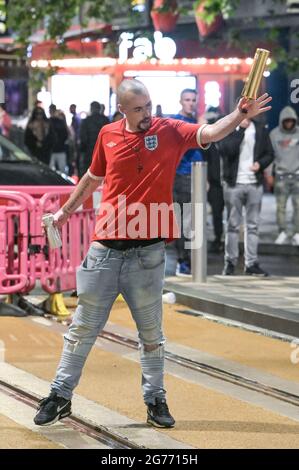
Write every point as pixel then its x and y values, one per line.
pixel 246 153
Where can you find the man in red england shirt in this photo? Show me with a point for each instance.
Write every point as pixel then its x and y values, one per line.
pixel 136 158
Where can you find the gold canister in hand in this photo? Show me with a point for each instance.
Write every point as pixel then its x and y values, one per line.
pixel 254 78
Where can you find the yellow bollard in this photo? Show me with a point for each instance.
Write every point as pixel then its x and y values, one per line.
pixel 57 306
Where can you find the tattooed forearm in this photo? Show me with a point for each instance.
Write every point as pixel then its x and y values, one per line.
pixel 77 196
pixel 84 189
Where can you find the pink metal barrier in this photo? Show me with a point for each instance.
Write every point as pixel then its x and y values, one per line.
pixel 25 256
pixel 58 272
pixel 15 221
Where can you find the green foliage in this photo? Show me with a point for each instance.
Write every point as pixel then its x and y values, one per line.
pixel 167 6
pixel 28 16
pixel 213 8
pixel 39 77
pixel 279 55
pixel 171 6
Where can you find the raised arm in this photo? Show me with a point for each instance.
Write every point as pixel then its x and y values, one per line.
pixel 245 109
pixel 83 190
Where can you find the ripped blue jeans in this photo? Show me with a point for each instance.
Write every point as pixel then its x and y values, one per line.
pixel 136 273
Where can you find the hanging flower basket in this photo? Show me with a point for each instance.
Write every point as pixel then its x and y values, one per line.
pixel 164 15
pixel 204 28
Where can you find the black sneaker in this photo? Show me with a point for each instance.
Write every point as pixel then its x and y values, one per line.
pixel 51 409
pixel 255 270
pixel 216 247
pixel 158 415
pixel 229 269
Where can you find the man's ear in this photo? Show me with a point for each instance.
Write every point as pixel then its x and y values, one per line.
pixel 120 108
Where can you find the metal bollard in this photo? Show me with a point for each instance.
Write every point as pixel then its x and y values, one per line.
pixel 199 222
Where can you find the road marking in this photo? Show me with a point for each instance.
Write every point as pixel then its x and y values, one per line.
pixel 42 321
pixel 58 433
pixel 13 337
pixel 90 411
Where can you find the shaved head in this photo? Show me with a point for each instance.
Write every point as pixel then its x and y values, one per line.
pixel 135 103
pixel 129 87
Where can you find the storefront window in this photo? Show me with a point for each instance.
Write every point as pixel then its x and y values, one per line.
pixel 166 90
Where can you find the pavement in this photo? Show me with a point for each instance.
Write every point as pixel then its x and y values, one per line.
pixel 270 303
pixel 209 412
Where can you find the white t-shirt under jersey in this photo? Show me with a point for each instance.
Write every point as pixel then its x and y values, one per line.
pixel 246 160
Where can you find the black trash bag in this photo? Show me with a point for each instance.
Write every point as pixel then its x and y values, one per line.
pixel 10 310
pixel 28 307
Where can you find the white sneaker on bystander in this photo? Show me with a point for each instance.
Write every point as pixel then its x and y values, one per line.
pixel 295 239
pixel 281 239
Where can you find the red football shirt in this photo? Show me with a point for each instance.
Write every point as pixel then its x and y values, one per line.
pixel 139 170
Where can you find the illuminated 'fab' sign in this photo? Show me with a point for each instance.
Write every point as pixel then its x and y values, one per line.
pixel 163 47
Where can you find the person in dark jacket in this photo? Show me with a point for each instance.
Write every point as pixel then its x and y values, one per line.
pixel 75 138
pixel 39 136
pixel 90 128
pixel 215 191
pixel 246 153
pixel 76 123
pixel 59 153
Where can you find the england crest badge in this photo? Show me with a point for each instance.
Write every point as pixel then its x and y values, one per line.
pixel 151 142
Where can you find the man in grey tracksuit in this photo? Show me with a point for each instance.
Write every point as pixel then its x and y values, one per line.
pixel 285 141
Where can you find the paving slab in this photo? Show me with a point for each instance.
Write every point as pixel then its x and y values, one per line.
pixel 270 304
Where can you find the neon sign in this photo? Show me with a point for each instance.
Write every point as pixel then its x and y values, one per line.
pixel 163 47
